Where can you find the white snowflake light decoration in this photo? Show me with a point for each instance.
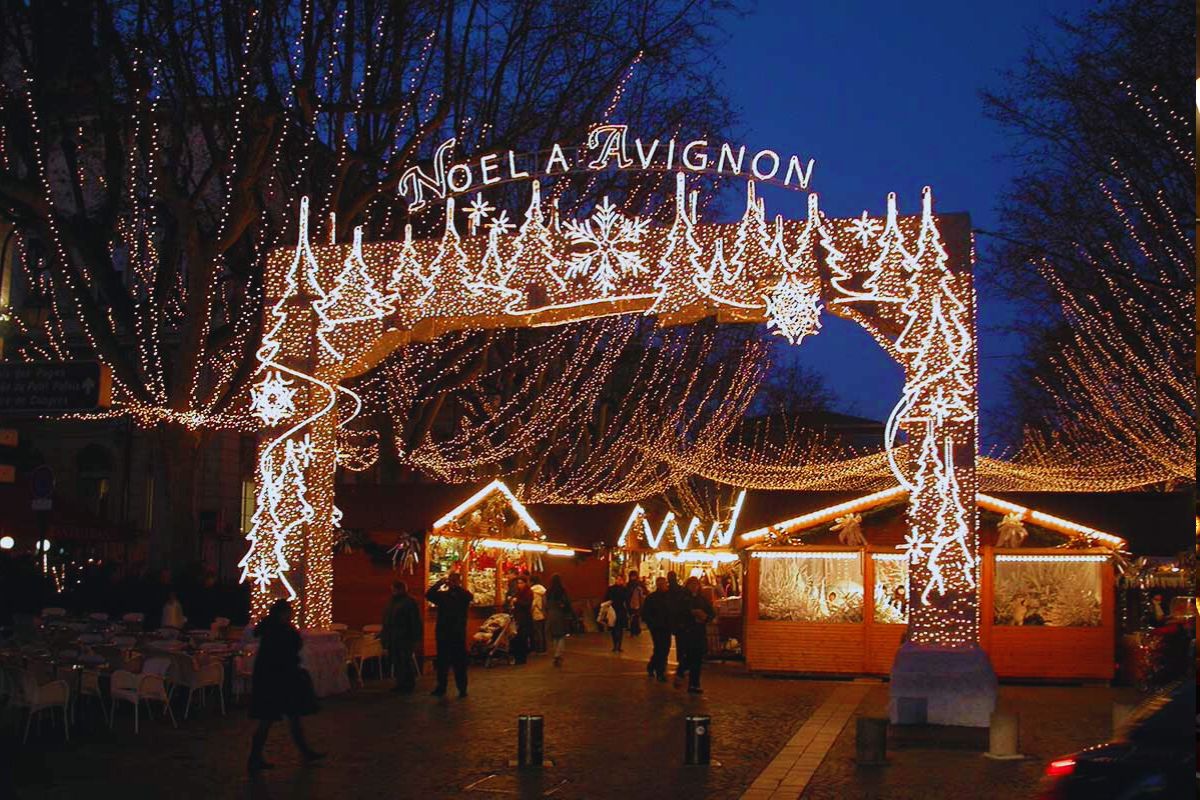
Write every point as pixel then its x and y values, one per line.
pixel 914 546
pixel 866 229
pixel 793 309
pixel 477 211
pixel 612 246
pixel 274 399
pixel 501 223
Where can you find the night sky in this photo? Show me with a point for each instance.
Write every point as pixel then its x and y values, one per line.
pixel 885 97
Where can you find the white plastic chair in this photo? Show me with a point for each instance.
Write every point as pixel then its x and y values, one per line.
pixel 38 698
pixel 362 649
pixel 167 633
pixel 135 688
pixel 243 672
pixel 98 616
pixel 198 678
pixel 219 628
pixel 133 618
pixel 54 611
pixel 124 642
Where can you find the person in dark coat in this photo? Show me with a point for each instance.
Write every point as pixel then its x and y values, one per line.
pixel 656 613
pixel 402 629
pixel 675 601
pixel 453 603
pixel 697 612
pixel 279 686
pixel 618 595
pixel 558 616
pixel 522 611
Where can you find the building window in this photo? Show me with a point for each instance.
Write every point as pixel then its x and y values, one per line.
pixel 248 498
pixel 148 516
pixel 93 466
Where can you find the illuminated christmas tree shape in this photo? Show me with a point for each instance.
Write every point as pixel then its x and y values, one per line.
pixel 909 286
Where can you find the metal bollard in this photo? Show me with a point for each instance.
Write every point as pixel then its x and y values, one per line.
pixel 529 740
pixel 697 750
pixel 870 741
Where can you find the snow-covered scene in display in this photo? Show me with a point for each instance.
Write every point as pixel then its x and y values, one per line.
pixel 811 589
pixel 1059 592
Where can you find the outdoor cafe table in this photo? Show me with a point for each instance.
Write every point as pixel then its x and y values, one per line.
pixel 323 654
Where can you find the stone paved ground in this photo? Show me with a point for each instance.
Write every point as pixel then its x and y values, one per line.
pixel 1054 720
pixel 611 732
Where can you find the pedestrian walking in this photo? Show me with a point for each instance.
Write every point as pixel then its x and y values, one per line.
pixel 636 596
pixel 675 593
pixel 521 606
pixel 697 612
pixel 539 614
pixel 558 616
pixel 279 686
pixel 452 602
pixel 657 614
pixel 402 629
pixel 618 596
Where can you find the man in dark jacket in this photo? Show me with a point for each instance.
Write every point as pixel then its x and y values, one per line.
pixel 402 629
pixel 675 599
pixel 452 602
pixel 522 612
pixel 697 612
pixel 656 613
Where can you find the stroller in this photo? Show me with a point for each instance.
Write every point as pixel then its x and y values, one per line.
pixel 494 638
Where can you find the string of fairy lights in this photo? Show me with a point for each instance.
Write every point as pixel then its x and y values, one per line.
pixel 324 331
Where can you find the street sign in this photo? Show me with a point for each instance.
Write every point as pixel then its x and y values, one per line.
pixel 41 488
pixel 48 386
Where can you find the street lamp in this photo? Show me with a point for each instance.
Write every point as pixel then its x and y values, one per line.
pixel 6 543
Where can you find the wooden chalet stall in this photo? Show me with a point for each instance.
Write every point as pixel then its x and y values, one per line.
pixel 479 530
pixel 827 591
pixel 696 550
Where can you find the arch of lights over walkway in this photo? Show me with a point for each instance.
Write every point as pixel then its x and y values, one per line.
pixel 334 310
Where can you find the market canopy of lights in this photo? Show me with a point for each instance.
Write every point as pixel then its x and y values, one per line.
pixel 335 310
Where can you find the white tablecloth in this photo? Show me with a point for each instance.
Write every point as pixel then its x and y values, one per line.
pixel 324 656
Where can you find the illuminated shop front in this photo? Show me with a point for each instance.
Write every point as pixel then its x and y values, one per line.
pixel 829 591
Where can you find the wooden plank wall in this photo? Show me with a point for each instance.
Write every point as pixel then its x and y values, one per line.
pixel 869 648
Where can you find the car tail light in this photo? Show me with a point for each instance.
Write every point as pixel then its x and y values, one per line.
pixel 1060 768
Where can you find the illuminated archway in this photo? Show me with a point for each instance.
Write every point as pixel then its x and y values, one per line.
pixel 334 311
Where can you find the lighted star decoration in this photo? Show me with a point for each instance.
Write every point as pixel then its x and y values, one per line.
pixel 262 577
pixel 304 450
pixel 477 211
pixel 793 310
pixel 501 223
pixel 274 399
pixel 914 546
pixel 866 228
pixel 611 241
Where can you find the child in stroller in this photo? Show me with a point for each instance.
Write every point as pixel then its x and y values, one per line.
pixel 494 638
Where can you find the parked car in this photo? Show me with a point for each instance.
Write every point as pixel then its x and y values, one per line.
pixel 1152 755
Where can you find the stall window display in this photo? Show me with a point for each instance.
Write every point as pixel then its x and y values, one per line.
pixel 1052 592
pixel 891 589
pixel 811 588
pixel 444 553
